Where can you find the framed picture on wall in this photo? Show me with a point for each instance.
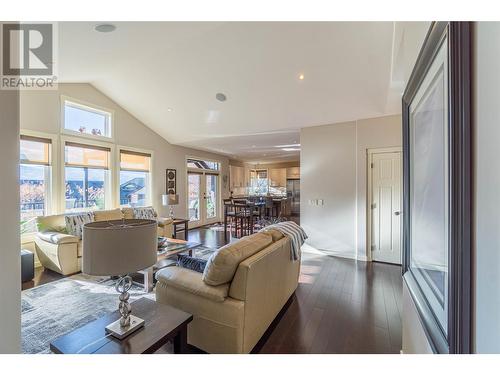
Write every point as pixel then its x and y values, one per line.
pixel 437 186
pixel 171 181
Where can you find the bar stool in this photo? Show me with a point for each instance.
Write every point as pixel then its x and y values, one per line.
pixel 229 213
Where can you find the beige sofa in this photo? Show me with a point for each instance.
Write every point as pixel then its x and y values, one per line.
pixel 255 277
pixel 62 252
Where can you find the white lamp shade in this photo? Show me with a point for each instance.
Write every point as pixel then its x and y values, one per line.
pixel 119 247
pixel 170 199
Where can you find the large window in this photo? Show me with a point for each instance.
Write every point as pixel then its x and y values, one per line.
pixel 259 183
pixel 82 119
pixel 34 180
pixel 135 178
pixel 86 176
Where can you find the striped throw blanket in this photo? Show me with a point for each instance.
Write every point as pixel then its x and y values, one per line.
pixel 295 232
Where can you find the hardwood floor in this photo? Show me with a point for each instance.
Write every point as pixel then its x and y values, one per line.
pixel 340 305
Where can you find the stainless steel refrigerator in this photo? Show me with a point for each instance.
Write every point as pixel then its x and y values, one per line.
pixel 293 192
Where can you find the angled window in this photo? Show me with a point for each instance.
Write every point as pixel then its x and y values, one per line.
pixel 86 170
pixel 34 180
pixel 135 178
pixel 203 164
pixel 86 120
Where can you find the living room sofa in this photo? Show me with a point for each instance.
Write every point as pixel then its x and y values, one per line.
pixel 255 277
pixel 62 252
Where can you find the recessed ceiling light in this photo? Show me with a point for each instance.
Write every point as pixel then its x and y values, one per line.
pixel 105 28
pixel 221 97
pixel 301 77
pixel 169 109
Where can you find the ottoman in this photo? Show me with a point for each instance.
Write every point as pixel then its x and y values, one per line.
pixel 27 265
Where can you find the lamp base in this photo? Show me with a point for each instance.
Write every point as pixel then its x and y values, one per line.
pixel 120 332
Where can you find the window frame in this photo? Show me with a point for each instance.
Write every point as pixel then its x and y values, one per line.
pixel 91 108
pixel 109 198
pixel 52 198
pixel 116 174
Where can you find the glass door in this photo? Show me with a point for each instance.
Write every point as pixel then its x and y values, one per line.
pixel 203 198
pixel 211 198
pixel 194 198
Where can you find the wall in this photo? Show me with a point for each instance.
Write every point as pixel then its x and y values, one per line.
pixel 40 111
pixel 10 311
pixel 486 317
pixel 414 338
pixel 333 168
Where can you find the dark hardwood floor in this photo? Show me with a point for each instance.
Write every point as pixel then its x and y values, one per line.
pixel 340 305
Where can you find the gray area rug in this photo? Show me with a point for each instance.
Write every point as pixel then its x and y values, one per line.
pixel 54 309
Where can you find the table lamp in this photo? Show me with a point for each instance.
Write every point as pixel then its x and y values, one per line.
pixel 118 248
pixel 170 200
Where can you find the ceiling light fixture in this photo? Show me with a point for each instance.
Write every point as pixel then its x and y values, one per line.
pixel 292 145
pixel 220 97
pixel 105 28
pixel 301 77
pixel 169 109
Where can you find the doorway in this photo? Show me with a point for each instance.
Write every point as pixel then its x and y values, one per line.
pixel 203 198
pixel 384 205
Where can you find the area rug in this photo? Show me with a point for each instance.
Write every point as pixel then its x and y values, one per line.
pixel 54 309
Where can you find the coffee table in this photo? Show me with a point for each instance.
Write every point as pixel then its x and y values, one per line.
pixel 173 248
pixel 163 323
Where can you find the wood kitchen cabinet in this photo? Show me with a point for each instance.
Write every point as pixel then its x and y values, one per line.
pixel 293 173
pixel 238 177
pixel 277 177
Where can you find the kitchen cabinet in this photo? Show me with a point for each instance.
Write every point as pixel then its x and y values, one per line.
pixel 293 173
pixel 277 177
pixel 239 177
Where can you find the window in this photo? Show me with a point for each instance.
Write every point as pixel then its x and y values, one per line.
pixel 259 183
pixel 82 119
pixel 203 164
pixel 86 176
pixel 34 180
pixel 135 178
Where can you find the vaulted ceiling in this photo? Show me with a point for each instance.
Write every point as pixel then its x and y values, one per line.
pixel 167 75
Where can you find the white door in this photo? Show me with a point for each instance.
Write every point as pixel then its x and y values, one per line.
pixel 386 207
pixel 203 198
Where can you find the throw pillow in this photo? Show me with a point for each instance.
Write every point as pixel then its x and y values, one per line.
pixel 195 264
pixel 75 223
pixel 147 213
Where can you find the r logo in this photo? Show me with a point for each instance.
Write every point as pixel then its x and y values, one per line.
pixel 27 49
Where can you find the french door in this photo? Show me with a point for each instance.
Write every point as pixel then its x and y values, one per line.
pixel 203 198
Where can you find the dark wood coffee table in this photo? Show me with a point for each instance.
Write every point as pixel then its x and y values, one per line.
pixel 163 323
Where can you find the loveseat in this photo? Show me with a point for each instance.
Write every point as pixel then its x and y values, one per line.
pixel 62 252
pixel 243 288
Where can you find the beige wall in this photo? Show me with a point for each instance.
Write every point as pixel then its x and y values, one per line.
pixel 414 338
pixel 333 168
pixel 40 111
pixel 10 278
pixel 486 272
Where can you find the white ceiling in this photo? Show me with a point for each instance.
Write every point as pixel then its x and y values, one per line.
pixel 352 70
